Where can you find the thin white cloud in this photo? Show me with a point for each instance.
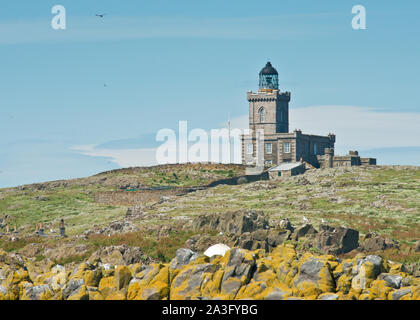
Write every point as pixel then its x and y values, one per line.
pixel 356 128
pixel 123 28
pixel 123 157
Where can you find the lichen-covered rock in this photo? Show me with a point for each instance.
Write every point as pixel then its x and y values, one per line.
pixel 182 257
pixel 391 280
pixel 72 288
pixel 189 281
pixel 41 292
pixel 238 266
pixel 115 287
pixel 281 274
pixel 150 284
pixel 314 277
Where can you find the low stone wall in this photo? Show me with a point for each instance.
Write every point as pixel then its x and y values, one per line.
pixel 133 198
pixel 149 196
pixel 240 180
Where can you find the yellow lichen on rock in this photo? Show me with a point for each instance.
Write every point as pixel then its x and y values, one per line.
pixel 150 284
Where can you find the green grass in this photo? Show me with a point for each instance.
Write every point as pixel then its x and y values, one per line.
pixel 162 249
pixel 398 216
pixel 382 199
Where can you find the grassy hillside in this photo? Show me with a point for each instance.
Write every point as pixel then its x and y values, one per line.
pixel 73 200
pixel 383 199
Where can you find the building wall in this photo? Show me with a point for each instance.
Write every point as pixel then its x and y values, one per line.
pixel 306 147
pixel 287 173
pixel 276 131
pixel 367 161
pixel 276 106
pixel 352 159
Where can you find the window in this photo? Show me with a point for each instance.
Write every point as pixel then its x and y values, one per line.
pixel 249 148
pixel 268 148
pixel 287 147
pixel 262 114
pixel 315 148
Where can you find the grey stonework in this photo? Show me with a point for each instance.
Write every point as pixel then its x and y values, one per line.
pixel 329 160
pixel 269 111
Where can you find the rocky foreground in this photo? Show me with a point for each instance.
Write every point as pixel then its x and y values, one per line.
pixel 239 274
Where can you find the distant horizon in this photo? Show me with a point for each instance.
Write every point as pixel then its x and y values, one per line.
pixel 157 165
pixel 91 98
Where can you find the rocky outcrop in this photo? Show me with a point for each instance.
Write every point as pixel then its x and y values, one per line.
pixel 305 231
pixel 119 255
pixel 336 240
pixel 114 227
pixel 183 257
pixel 417 246
pixel 374 243
pixel 261 239
pixel 239 274
pixel 232 222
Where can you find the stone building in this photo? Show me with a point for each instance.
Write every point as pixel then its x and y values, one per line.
pixel 269 113
pixel 269 132
pixel 329 160
pixel 286 170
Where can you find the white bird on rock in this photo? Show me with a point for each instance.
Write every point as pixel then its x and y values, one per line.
pixel 305 220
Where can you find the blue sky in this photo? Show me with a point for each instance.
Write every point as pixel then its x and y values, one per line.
pixel 165 61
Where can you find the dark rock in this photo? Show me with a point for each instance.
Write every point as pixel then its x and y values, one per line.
pixel 232 222
pixel 304 231
pixel 119 255
pixel 336 240
pixel 417 246
pixel 374 243
pixel 276 238
pixel 135 212
pixel 261 239
pixel 285 224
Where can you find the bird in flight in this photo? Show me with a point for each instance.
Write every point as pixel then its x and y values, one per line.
pixel 100 15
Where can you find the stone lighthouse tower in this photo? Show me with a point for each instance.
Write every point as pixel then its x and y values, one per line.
pixel 269 108
pixel 269 114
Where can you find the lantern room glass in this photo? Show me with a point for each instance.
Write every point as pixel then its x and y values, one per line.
pixel 269 81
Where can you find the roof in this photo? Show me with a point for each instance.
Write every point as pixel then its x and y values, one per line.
pixel 268 69
pixel 286 166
